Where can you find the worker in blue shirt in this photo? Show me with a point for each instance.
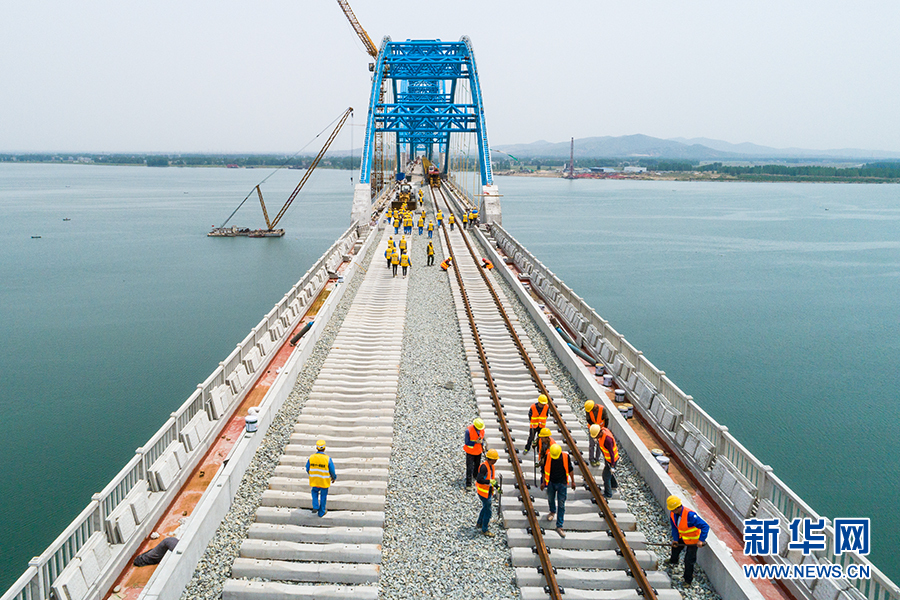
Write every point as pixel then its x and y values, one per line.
pixel 688 531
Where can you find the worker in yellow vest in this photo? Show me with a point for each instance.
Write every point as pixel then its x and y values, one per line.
pixel 485 483
pixel 396 223
pixel 465 224
pixel 404 263
pixel 440 217
pixel 451 220
pixel 430 252
pixel 403 245
pixel 421 224
pixel 430 229
pixel 395 262
pixel 388 254
pixel 321 475
pixel 688 531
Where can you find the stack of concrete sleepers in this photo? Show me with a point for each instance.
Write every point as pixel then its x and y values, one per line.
pixel 586 559
pixel 291 552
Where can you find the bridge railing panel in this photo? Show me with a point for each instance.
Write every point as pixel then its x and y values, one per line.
pixel 26 587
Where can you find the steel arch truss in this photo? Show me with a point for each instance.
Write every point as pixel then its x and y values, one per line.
pixel 424 112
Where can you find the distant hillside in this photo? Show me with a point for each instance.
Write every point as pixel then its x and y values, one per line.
pixel 696 149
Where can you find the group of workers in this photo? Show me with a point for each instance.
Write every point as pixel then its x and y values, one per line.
pixel 402 217
pixel 557 469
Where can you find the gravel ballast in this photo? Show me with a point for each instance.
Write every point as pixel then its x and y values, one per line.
pixel 431 548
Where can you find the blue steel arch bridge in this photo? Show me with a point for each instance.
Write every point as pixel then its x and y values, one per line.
pixel 424 92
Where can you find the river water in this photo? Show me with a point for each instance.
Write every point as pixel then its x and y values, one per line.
pixel 774 305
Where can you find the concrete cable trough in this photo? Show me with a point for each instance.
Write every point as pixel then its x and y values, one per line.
pixel 291 551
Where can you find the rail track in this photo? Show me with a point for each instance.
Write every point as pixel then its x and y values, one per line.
pixel 602 555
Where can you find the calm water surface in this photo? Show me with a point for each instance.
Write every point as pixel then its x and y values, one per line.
pixel 774 305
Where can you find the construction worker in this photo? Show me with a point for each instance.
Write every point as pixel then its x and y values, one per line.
pixel 440 217
pixel 537 417
pixel 451 220
pixel 430 252
pixel 558 470
pixel 421 224
pixel 447 262
pixel 473 444
pixel 473 218
pixel 321 475
pixel 430 229
pixel 485 483
pixel 408 224
pixel 388 254
pixel 395 262
pixel 543 444
pixel 465 223
pixel 688 531
pixel 396 223
pixel 403 245
pixel 486 264
pixel 595 414
pixel 610 450
pixel 404 263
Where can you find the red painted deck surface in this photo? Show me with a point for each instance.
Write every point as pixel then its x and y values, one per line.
pixel 133 579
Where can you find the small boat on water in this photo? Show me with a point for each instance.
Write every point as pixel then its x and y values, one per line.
pixel 245 232
pixel 67 219
pixel 35 237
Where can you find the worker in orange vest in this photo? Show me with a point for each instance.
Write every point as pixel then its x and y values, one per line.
pixel 610 449
pixel 486 264
pixel 688 531
pixel 595 414
pixel 447 262
pixel 485 483
pixel 537 417
pixel 473 444
pixel 558 470
pixel 543 444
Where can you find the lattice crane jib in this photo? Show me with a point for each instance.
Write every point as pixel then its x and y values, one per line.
pixel 425 108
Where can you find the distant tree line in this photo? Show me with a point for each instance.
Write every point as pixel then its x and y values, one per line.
pixel 878 170
pixel 189 160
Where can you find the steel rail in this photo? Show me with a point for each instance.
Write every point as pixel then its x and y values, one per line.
pixel 543 554
pixel 637 572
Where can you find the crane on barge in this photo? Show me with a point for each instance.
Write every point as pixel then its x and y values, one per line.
pixel 270 230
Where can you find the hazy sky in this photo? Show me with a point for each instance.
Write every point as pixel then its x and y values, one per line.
pixel 218 76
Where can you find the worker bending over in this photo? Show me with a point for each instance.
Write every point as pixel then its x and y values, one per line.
pixel 558 470
pixel 321 475
pixel 595 415
pixel 473 444
pixel 610 451
pixel 688 531
pixel 486 264
pixel 537 417
pixel 446 263
pixel 484 485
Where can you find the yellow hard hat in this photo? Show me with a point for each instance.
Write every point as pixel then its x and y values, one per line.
pixel 492 454
pixel 544 432
pixel 673 502
pixel 589 406
pixel 555 451
pixel 479 424
pixel 542 399
pixel 320 445
pixel 595 430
